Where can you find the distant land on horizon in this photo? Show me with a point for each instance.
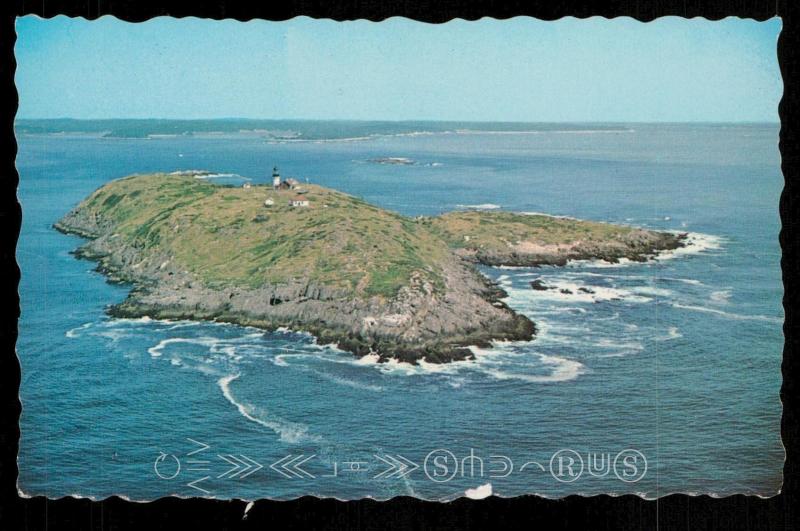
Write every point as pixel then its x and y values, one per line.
pixel 310 129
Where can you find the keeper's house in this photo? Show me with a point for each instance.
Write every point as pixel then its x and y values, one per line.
pixel 299 201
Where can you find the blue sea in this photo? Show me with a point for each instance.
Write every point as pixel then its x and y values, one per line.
pixel 665 378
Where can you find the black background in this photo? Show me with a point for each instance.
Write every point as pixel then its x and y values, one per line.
pixel 599 512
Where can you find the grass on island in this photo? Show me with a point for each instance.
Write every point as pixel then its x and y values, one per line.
pixel 499 230
pixel 227 236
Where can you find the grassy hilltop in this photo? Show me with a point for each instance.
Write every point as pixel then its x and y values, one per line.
pixel 363 277
pixel 227 236
pixel 508 238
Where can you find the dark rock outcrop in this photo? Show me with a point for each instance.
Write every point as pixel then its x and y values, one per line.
pixel 539 285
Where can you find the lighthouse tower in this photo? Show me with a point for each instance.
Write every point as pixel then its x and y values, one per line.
pixel 276 178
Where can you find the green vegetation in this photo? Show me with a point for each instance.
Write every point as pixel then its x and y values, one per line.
pixel 227 236
pixel 495 231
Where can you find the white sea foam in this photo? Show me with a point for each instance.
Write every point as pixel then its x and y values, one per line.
pixel 190 172
pixel 545 214
pixel 439 368
pixel 146 320
pixel 482 206
pixel 325 346
pixel 503 360
pixel 369 359
pixel 512 268
pixel 620 354
pixel 728 315
pixel 570 309
pixel 228 350
pixel 695 243
pixel 395 366
pixel 599 264
pixel 518 296
pixel 206 341
pixel 455 383
pixel 206 369
pixel 672 333
pixel 619 345
pixel 76 332
pixel 114 334
pixel 612 317
pixel 690 281
pixel 290 432
pixel 283 359
pixel 348 382
pixel 390 366
pixel 562 370
pixel 650 290
pixel 182 324
pixel 721 296
pixel 280 360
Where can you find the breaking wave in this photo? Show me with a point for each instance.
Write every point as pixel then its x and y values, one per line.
pixel 289 432
pixel 561 370
pixel 696 242
pixel 728 315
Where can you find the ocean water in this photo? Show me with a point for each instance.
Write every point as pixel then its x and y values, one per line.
pixel 675 362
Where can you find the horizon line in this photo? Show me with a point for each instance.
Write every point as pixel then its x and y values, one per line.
pixel 431 120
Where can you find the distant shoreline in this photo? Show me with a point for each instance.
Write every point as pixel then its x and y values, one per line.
pixel 321 130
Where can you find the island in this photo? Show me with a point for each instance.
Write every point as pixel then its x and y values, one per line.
pixel 314 259
pixel 399 161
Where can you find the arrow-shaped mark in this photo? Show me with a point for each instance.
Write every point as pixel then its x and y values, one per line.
pixel 203 446
pixel 255 466
pixel 398 466
pixel 193 484
pixel 289 466
pixel 279 463
pixel 410 466
pixel 243 466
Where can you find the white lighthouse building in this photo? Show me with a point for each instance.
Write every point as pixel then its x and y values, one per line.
pixel 276 178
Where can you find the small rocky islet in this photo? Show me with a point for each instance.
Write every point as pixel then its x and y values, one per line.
pixel 311 258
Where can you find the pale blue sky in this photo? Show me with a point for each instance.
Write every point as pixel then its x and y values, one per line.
pixel 513 70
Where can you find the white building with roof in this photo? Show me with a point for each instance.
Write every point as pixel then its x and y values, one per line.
pixel 299 201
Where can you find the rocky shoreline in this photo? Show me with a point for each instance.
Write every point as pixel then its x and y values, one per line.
pixel 418 324
pixel 636 246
